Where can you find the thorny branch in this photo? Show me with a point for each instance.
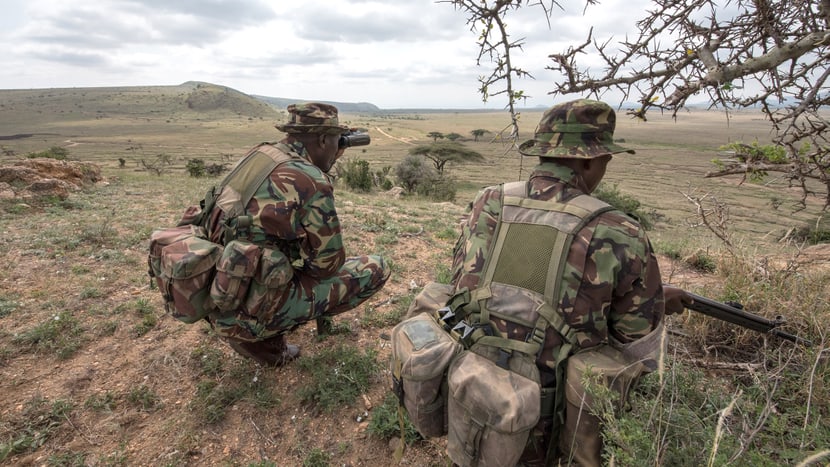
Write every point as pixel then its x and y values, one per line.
pixel 487 19
pixel 712 214
pixel 768 54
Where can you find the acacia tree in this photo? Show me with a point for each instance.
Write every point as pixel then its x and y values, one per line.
pixel 446 151
pixel 435 135
pixel 478 133
pixel 772 54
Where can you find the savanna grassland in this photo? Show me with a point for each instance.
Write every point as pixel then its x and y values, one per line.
pixel 93 372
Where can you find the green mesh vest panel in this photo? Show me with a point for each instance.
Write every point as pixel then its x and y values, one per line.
pixel 533 238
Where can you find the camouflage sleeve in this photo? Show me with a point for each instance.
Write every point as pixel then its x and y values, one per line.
pixel 474 241
pixel 295 207
pixel 620 291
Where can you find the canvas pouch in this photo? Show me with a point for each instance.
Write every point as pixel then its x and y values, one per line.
pixel 183 261
pixel 234 272
pixel 268 283
pixel 615 366
pixel 491 409
pixel 421 353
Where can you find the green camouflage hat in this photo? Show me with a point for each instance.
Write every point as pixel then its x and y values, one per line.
pixel 580 129
pixel 312 117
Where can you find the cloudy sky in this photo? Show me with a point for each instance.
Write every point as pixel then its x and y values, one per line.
pixel 393 53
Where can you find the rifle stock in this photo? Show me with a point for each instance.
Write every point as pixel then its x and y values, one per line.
pixel 731 314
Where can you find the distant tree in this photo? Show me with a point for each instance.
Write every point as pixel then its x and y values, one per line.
pixel 157 166
pixel 435 135
pixel 478 133
pixel 453 136
pixel 443 152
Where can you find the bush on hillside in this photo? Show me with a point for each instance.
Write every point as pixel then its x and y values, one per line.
pixel 355 174
pixel 55 152
pixel 414 171
pixel 625 203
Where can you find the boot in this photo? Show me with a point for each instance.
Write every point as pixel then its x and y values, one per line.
pixel 270 352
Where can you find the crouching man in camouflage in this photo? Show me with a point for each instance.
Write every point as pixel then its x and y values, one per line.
pixel 609 289
pixel 292 213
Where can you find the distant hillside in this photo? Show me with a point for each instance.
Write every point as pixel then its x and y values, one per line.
pixel 193 99
pixel 206 97
pixel 281 103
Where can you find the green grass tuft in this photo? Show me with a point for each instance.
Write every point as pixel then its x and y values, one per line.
pixel 336 376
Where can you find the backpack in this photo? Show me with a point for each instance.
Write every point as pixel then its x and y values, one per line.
pixel 198 277
pixel 487 383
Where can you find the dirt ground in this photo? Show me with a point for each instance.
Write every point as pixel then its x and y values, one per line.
pixel 162 360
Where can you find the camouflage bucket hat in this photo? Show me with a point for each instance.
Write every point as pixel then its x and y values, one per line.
pixel 580 129
pixel 312 117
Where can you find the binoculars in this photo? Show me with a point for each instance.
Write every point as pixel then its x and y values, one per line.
pixel 353 138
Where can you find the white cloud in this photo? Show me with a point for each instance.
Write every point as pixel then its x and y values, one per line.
pixel 418 53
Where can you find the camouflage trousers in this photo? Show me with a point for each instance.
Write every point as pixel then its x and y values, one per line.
pixel 306 298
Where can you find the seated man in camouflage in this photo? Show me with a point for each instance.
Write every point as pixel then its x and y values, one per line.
pixel 293 211
pixel 610 285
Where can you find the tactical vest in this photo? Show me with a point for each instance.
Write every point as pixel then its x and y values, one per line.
pixel 522 284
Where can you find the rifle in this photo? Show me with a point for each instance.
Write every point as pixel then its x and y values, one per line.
pixel 732 312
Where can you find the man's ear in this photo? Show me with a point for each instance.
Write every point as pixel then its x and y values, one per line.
pixel 321 140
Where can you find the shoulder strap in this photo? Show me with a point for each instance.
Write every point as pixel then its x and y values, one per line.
pixel 257 170
pixel 239 186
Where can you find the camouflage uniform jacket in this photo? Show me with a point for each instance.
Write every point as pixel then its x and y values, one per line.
pixel 293 210
pixel 620 293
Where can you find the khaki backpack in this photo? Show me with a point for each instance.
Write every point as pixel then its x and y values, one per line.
pixel 198 277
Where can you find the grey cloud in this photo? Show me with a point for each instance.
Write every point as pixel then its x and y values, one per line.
pixel 84 29
pixel 217 12
pixel 78 59
pixel 286 55
pixel 376 22
pixel 191 22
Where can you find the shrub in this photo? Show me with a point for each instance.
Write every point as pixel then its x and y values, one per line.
pixel 413 171
pixel 625 203
pixel 356 175
pixel 381 178
pixel 55 152
pixel 214 170
pixel 438 189
pixel 196 168
pixel 812 234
